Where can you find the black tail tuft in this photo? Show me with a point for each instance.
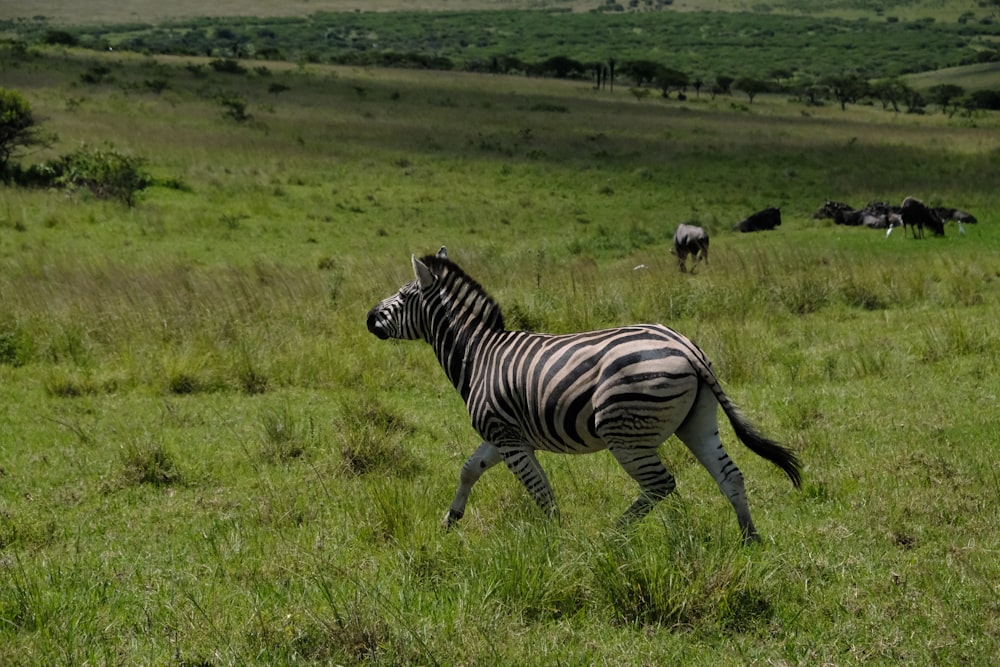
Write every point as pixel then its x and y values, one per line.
pixel 780 456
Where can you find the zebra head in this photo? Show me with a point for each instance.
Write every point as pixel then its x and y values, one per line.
pixel 399 316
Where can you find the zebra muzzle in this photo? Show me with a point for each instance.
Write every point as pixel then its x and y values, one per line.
pixel 374 325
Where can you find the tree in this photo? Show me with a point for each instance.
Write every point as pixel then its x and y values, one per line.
pixel 890 91
pixel 985 99
pixel 668 79
pixel 697 84
pixel 750 86
pixel 562 67
pixel 811 91
pixel 723 84
pixel 780 74
pixel 18 126
pixel 914 101
pixel 641 71
pixel 847 88
pixel 946 94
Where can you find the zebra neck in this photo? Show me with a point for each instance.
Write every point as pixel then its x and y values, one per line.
pixel 462 316
pixel 458 352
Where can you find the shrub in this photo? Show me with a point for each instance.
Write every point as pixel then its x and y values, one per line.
pixel 96 74
pixel 60 38
pixel 106 172
pixel 156 85
pixel 15 347
pixel 227 66
pixel 235 107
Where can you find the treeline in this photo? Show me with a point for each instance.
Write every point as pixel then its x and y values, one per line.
pixel 709 43
pixel 644 77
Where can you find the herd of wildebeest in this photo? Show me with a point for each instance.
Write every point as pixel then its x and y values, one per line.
pixel 692 240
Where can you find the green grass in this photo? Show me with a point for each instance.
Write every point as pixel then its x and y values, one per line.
pixel 205 459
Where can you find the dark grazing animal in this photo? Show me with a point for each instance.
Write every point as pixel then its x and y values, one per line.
pixel 875 215
pixel 625 390
pixel 879 215
pixel 916 216
pixel 955 214
pixel 764 220
pixel 830 209
pixel 690 240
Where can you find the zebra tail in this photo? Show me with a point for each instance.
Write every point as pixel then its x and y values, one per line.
pixel 780 456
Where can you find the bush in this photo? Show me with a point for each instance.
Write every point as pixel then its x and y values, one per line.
pixel 15 346
pixel 106 172
pixel 60 38
pixel 235 107
pixel 227 66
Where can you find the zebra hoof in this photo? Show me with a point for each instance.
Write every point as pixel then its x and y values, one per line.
pixel 451 517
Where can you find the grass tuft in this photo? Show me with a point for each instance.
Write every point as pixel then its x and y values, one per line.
pixel 147 463
pixel 371 440
pixel 283 437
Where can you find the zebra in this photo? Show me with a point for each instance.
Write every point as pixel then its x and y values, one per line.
pixel 624 389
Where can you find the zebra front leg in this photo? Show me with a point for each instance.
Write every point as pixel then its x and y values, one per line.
pixel 525 466
pixel 655 481
pixel 485 457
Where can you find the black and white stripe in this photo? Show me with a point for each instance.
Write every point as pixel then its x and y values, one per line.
pixel 625 390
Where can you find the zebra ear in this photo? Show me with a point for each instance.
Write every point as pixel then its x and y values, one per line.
pixel 442 252
pixel 422 273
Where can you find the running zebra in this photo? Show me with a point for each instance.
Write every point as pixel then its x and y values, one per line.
pixel 626 390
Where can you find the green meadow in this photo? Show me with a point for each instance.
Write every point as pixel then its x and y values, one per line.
pixel 206 459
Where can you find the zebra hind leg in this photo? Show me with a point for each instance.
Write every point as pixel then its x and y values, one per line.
pixel 700 432
pixel 646 468
pixel 485 457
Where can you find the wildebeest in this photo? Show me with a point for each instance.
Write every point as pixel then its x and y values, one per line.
pixel 830 209
pixel 879 215
pixel 955 214
pixel 767 219
pixel 916 216
pixel 875 214
pixel 690 240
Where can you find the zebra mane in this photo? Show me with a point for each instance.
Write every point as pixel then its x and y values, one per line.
pixel 452 275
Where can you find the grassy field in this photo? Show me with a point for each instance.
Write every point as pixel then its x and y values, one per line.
pixel 205 459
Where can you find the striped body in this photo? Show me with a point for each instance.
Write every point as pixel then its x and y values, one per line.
pixel 625 389
pixel 576 393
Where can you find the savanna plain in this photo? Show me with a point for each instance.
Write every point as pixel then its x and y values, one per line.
pixel 206 459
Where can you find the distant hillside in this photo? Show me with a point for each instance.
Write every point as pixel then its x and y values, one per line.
pixel 970 77
pixel 155 11
pixel 786 50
